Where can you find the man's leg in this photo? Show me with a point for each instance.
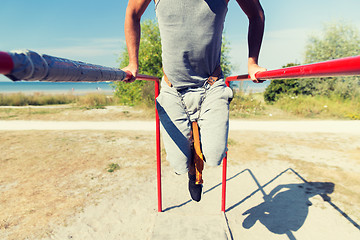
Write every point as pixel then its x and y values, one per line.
pixel 214 123
pixel 176 129
pixel 176 133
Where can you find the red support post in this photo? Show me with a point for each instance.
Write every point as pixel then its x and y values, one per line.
pixel 224 170
pixel 223 193
pixel 348 66
pixel 158 146
pixel 7 65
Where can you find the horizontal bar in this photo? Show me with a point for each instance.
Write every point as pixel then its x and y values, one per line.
pixel 348 66
pixel 141 77
pixel 6 63
pixel 31 66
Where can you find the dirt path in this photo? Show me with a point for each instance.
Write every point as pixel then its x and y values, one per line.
pixel 317 126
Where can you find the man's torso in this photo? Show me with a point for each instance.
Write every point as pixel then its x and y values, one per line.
pixel 191 34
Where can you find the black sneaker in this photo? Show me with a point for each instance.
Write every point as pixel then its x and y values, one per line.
pixel 194 189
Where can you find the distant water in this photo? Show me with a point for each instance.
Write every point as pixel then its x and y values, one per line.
pixel 55 87
pixel 251 87
pixel 80 88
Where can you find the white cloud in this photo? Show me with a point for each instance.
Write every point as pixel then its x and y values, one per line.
pixel 279 48
pixel 103 51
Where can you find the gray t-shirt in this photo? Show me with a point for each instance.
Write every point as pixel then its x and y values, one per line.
pixel 191 35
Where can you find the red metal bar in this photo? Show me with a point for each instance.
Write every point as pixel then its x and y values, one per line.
pixel 6 63
pixel 158 147
pixel 348 66
pixel 223 193
pixel 224 170
pixel 143 77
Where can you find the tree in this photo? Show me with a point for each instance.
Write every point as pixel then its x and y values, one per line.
pixel 150 63
pixel 338 40
pixel 282 87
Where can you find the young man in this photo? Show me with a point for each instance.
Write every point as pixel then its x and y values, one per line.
pixel 193 104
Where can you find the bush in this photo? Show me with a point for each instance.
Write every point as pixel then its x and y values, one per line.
pixel 37 99
pixel 337 41
pixel 246 105
pixel 95 100
pixel 307 106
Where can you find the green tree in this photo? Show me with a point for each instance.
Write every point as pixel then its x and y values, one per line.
pixel 226 66
pixel 150 64
pixel 337 40
pixel 281 87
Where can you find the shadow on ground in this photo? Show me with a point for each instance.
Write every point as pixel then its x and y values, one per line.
pixel 285 208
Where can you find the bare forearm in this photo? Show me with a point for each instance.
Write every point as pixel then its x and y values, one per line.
pixel 134 11
pixel 255 36
pixel 255 14
pixel 132 36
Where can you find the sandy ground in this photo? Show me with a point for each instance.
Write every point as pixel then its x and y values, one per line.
pixel 285 180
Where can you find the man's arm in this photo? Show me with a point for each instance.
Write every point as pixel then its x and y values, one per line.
pixel 134 11
pixel 255 14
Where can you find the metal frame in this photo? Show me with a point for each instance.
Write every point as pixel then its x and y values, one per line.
pixel 338 67
pixel 348 66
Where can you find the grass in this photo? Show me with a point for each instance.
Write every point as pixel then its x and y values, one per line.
pixel 89 101
pixel 37 99
pixel 248 106
pixel 112 167
pixel 320 107
pixel 95 107
pixel 253 106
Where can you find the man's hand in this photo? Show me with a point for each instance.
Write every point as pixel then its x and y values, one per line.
pixel 253 68
pixel 133 71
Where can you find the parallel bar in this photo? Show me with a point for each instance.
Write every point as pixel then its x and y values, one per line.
pixel 223 193
pixel 158 146
pixel 142 77
pixel 224 170
pixel 6 63
pixel 31 66
pixel 38 67
pixel 348 66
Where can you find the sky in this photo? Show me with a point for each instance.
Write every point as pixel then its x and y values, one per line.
pixel 93 31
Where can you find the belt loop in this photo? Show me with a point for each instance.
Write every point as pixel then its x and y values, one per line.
pixel 214 76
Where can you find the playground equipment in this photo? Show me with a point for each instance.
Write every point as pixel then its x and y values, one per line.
pixel 31 66
pixel 348 66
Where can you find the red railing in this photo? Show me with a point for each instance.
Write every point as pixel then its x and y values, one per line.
pixel 337 67
pixel 348 66
pixel 158 146
pixel 7 65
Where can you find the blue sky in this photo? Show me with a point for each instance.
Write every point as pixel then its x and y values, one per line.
pixel 93 30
